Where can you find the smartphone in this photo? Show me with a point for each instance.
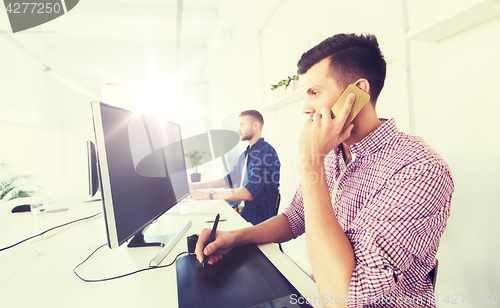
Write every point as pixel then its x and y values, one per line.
pixel 361 99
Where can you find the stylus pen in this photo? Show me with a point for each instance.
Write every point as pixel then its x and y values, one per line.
pixel 211 239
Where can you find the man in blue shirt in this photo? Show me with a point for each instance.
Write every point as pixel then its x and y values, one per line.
pixel 254 179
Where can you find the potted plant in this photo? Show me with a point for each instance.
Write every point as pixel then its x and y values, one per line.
pixel 292 84
pixel 194 157
pixel 285 86
pixel 278 89
pixel 11 184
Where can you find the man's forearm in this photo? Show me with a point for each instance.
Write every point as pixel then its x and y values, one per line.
pixel 234 195
pixel 273 230
pixel 330 251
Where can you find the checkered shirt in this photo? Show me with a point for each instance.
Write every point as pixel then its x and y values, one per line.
pixel 393 202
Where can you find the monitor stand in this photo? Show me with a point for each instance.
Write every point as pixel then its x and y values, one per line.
pixel 95 197
pixel 165 241
pixel 139 240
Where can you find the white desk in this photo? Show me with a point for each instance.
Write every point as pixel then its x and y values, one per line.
pixel 39 273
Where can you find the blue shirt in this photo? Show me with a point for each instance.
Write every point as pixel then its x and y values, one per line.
pixel 262 181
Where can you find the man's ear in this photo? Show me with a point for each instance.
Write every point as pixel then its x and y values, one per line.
pixel 363 84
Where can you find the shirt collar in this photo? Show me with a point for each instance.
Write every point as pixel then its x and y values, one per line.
pixel 257 144
pixel 376 139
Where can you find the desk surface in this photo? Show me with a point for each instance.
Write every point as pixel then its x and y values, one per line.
pixel 39 272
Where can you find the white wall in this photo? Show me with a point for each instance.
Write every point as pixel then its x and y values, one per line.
pixel 44 124
pixel 76 129
pixel 30 117
pixel 456 111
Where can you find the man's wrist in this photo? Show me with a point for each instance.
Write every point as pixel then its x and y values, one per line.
pixel 211 194
pixel 241 237
pixel 311 160
pixel 311 175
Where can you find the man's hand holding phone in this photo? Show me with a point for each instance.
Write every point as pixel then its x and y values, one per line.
pixel 322 133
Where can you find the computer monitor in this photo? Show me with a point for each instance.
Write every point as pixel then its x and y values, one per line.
pixel 93 175
pixel 142 173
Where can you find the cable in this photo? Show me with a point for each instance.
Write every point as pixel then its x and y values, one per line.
pixel 124 275
pixel 68 223
pixel 74 269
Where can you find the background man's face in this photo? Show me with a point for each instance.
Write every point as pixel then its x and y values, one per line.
pixel 246 128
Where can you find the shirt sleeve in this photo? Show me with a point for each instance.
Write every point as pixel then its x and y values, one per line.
pixel 400 225
pixel 294 213
pixel 262 170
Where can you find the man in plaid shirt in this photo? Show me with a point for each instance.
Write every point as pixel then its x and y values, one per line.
pixel 376 200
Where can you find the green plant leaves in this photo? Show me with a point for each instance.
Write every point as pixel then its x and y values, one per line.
pixel 284 82
pixel 11 184
pixel 195 156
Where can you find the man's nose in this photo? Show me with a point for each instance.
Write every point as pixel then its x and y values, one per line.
pixel 307 109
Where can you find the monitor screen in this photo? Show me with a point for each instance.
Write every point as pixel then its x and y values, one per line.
pixel 142 170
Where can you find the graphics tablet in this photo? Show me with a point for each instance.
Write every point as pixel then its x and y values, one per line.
pixel 242 278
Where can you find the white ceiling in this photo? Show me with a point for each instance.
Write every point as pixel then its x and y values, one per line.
pixel 125 39
pixel 136 21
pixel 115 40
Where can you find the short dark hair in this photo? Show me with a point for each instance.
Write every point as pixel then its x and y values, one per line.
pixel 351 57
pixel 254 114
